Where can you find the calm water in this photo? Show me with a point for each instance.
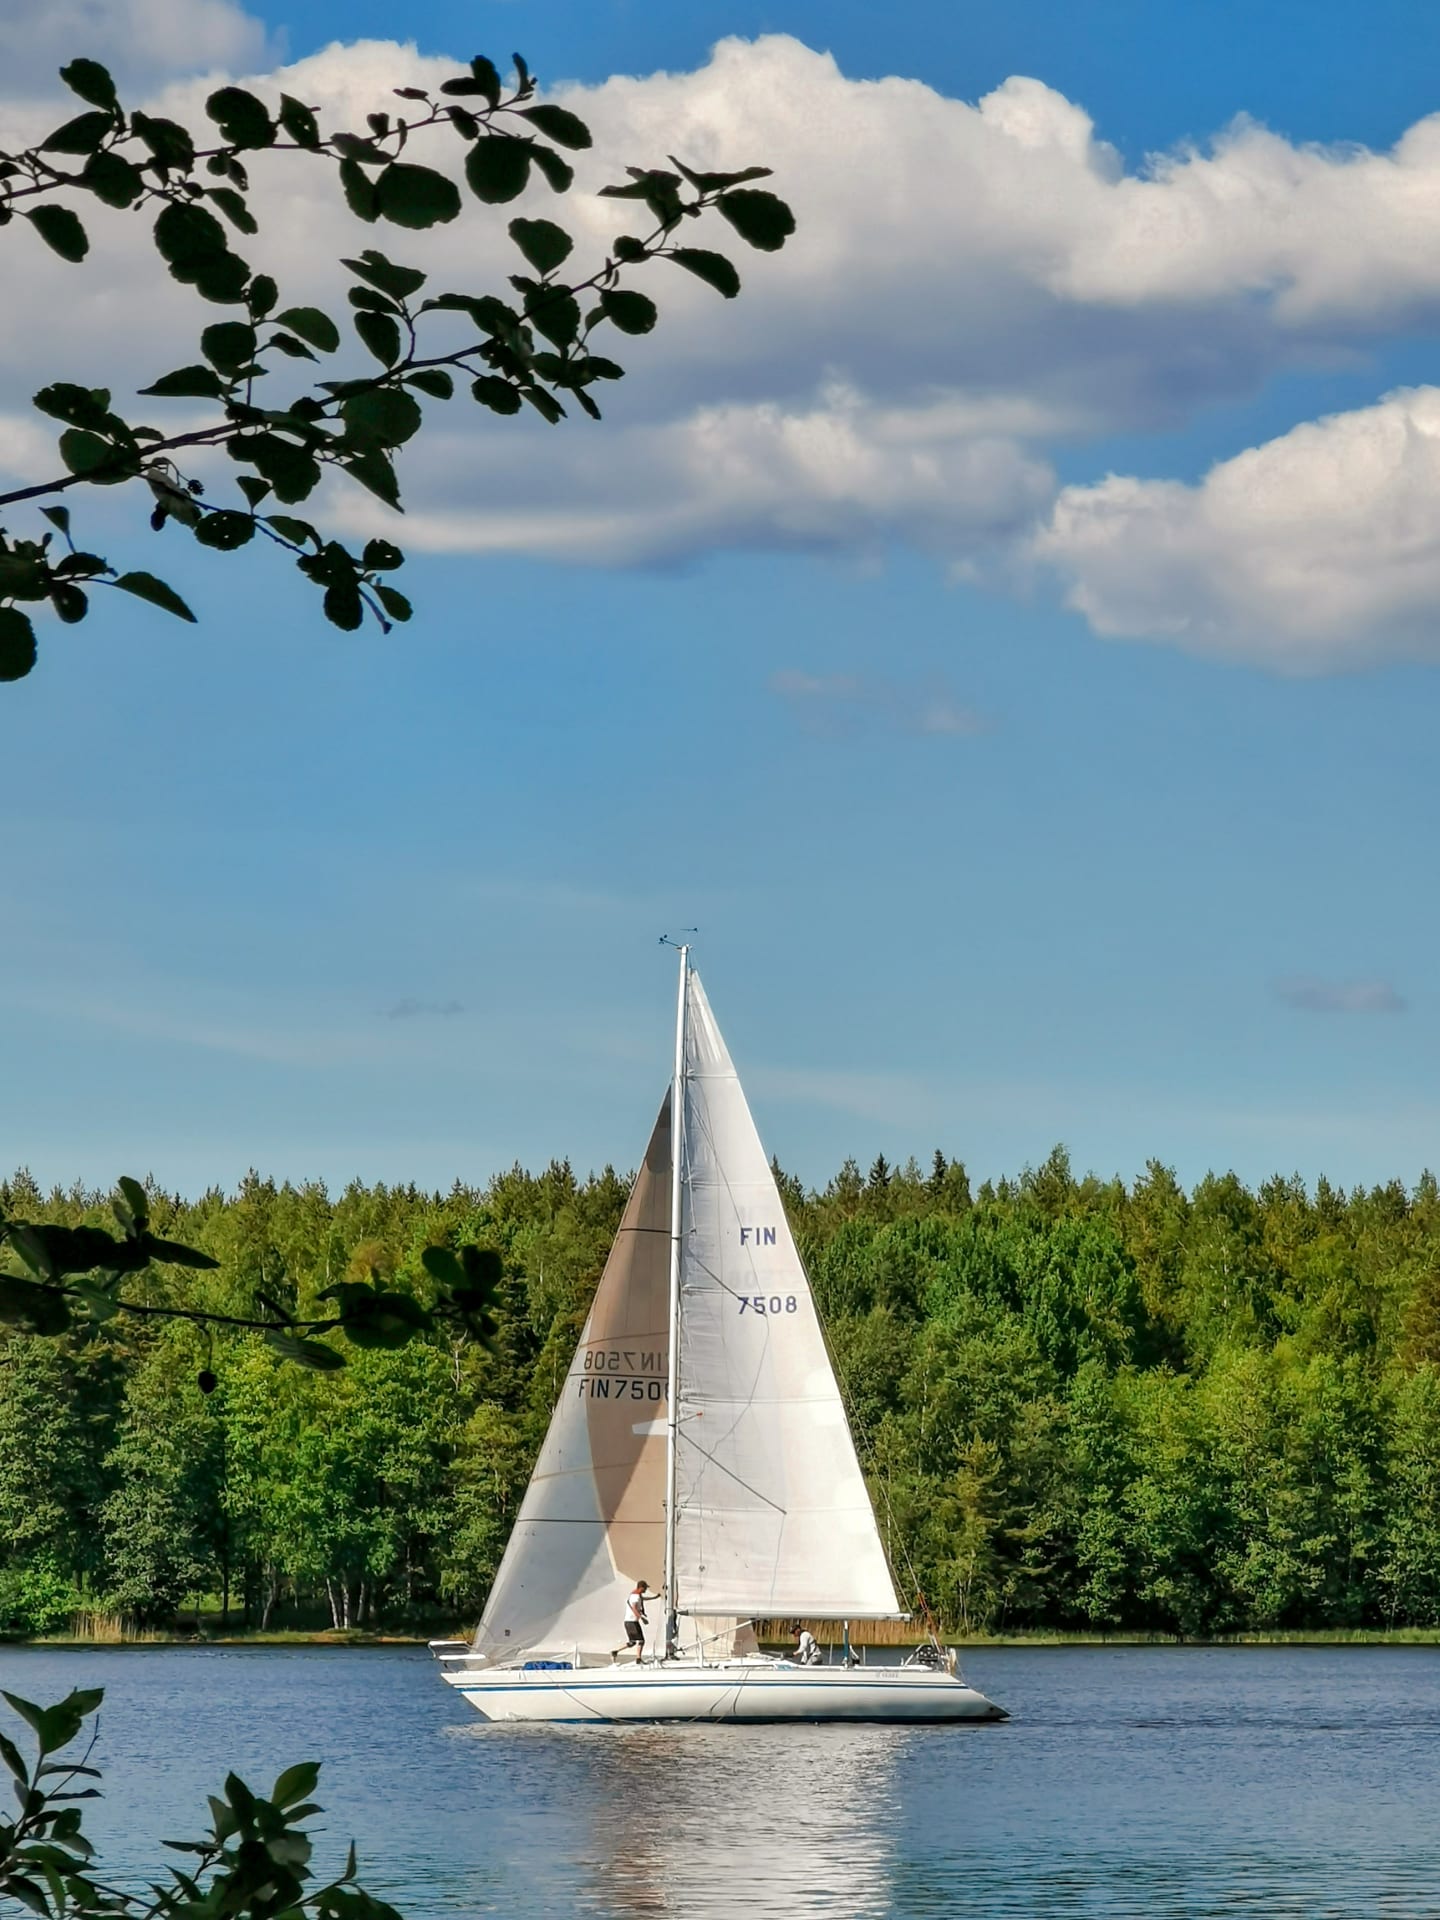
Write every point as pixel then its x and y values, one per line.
pixel 1130 1782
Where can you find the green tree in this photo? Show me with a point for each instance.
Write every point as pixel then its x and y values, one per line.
pixel 162 1519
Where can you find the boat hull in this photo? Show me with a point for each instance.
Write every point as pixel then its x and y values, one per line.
pixel 738 1690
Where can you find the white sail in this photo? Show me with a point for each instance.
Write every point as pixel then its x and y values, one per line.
pixel 773 1516
pixel 593 1518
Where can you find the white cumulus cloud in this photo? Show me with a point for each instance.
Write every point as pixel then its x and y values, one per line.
pixel 1318 550
pixel 141 41
pixel 973 286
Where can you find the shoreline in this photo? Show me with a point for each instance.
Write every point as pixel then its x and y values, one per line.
pixel 354 1638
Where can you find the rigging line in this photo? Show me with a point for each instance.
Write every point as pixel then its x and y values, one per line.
pixel 730 1474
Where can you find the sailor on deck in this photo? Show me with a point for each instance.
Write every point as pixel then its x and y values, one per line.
pixel 635 1620
pixel 807 1648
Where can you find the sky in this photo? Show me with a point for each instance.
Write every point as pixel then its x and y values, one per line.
pixel 1008 632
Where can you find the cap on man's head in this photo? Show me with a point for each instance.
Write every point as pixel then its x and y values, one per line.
pixel 641 1583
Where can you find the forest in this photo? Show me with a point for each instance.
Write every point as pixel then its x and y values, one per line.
pixel 1081 1404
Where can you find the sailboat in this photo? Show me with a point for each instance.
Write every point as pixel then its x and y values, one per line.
pixel 700 1436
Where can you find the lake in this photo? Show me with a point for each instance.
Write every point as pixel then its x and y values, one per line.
pixel 1131 1781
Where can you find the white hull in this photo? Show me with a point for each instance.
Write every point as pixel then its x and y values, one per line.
pixel 736 1690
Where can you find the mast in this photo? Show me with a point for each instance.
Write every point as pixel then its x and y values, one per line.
pixel 672 1402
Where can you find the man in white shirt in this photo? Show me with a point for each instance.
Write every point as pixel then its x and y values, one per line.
pixel 807 1648
pixel 635 1620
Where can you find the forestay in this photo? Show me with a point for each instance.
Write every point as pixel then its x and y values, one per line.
pixel 773 1515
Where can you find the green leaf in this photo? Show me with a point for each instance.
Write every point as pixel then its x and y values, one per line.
pixel 545 404
pixel 718 182
pixel 394 602
pixel 17 644
pixel 713 268
pixel 175 1255
pixel 312 325
pixel 368 300
pixel 432 380
pixel 497 168
pixel 58 517
pixel 381 335
pixel 83 452
pixel 77 406
pixel 112 179
pixel 91 82
pixel 308 1353
pixel 295 1783
pixel 566 129
pixel 26 1305
pixel 757 216
pixel 167 140
pixel 299 122
pixel 229 345
pixel 441 1264
pixel 225 530
pixel 233 206
pixel 345 609
pixel 187 383
pixel 411 196
pixel 131 1191
pixel 145 586
pixel 556 170
pixel 100 1305
pixel 222 280
pixel 496 394
pixel 83 134
pixel 372 468
pixel 295 531
pixel 254 490
pixel 189 236
pixel 555 312
pixel 399 282
pixel 262 295
pixel 61 231
pixel 242 119
pixel 292 471
pixel 359 189
pixel 33 1716
pixel 69 601
pixel 383 417
pixel 543 244
pixel 486 73
pixel 381 557
pixel 631 312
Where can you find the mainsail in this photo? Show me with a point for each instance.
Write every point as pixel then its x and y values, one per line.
pixel 772 1514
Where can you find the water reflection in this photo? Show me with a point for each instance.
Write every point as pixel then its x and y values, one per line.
pixel 781 1820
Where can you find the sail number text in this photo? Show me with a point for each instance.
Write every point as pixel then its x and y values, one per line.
pixel 622 1373
pixel 776 1303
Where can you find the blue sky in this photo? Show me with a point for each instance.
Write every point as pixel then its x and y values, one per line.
pixel 1148 872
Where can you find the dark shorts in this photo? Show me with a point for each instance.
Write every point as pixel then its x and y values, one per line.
pixel 634 1633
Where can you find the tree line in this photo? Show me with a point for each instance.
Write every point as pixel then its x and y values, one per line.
pixel 1081 1403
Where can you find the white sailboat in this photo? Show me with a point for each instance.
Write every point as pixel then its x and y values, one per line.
pixel 700 1431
